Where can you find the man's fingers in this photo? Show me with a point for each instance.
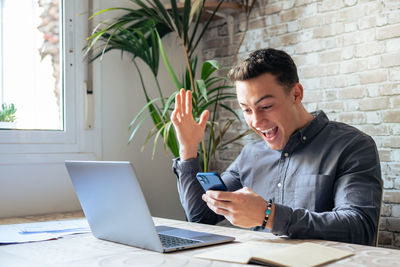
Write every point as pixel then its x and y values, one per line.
pixel 221 195
pixel 182 102
pixel 178 102
pixel 188 107
pixel 203 118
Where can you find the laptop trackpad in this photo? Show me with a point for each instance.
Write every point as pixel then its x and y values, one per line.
pixel 179 232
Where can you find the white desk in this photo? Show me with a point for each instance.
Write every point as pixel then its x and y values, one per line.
pixel 86 250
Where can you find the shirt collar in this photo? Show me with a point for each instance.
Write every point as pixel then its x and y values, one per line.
pixel 305 134
pixel 314 127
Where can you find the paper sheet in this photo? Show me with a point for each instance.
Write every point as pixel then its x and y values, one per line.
pixel 39 231
pixel 299 255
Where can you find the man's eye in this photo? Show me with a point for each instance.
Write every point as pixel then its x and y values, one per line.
pixel 266 107
pixel 246 110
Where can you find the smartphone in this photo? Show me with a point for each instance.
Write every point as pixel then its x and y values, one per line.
pixel 211 181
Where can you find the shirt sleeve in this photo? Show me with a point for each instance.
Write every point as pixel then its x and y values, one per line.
pixel 356 201
pixel 190 190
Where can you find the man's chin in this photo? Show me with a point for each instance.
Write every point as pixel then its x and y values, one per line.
pixel 274 147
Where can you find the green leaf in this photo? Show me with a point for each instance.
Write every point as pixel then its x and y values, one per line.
pixel 142 110
pixel 169 102
pixel 208 68
pixel 202 88
pixel 167 64
pixel 231 110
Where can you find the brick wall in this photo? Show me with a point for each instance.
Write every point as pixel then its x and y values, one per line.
pixel 348 58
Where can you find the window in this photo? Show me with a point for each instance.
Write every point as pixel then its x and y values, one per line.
pixel 31 73
pixel 43 73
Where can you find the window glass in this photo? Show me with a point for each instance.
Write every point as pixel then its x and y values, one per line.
pixel 31 69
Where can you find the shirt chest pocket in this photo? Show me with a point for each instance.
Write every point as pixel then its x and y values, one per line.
pixel 313 192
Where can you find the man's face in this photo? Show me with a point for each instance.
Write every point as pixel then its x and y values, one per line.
pixel 268 109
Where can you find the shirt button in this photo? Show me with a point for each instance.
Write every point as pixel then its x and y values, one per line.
pixel 279 184
pixel 286 154
pixel 304 138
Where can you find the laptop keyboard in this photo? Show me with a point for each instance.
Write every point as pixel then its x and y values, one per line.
pixel 173 241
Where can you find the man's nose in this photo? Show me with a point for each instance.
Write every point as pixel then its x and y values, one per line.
pixel 257 120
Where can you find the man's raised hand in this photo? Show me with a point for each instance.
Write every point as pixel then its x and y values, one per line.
pixel 188 131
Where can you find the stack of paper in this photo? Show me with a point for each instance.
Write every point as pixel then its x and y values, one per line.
pixel 29 232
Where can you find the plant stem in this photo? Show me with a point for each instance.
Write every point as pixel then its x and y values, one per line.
pixel 205 165
pixel 160 92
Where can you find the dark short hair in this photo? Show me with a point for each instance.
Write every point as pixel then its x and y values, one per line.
pixel 273 61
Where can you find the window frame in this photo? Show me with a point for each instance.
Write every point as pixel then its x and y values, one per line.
pixel 20 146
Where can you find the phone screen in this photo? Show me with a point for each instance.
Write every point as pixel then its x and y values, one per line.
pixel 211 181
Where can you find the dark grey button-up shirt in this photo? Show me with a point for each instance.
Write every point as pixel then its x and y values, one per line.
pixel 326 183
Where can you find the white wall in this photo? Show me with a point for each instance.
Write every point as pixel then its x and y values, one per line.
pixel 122 98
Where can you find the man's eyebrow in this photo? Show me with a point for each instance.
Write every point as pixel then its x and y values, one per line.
pixel 259 100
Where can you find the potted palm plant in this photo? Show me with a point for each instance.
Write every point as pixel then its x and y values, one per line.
pixel 7 116
pixel 139 32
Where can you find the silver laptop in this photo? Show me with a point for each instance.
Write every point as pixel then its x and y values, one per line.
pixel 116 209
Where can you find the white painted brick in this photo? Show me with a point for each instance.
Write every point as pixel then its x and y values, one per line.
pixel 311 46
pixel 351 106
pixel 374 62
pixel 350 2
pixel 381 20
pixel 394 129
pixel 395 102
pixel 358 37
pixel 366 23
pixel 313 96
pixel 288 4
pixel 353 79
pixel 351 14
pixel 376 130
pixel 272 8
pixel 310 107
pixel 374 103
pixel 373 90
pixel 312 21
pixel 310 84
pixel 394 17
pixel 372 7
pixel 395 155
pixel 397 183
pixel 352 118
pixel 303 2
pixel 368 49
pixel 306 59
pixel 391 115
pixel 393 45
pixel 350 66
pixel 394 74
pixel 389 60
pixel 374 76
pixel 373 117
pixel 387 32
pixel 306 35
pixel 293 26
pixel 351 93
pixel 391 4
pixel 329 5
pixel 273 19
pixel 390 89
pixel 350 27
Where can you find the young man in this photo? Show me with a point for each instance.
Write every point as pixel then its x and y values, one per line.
pixel 321 178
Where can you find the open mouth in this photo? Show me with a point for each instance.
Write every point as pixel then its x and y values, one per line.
pixel 270 133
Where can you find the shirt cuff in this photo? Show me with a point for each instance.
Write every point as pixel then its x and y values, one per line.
pixel 282 219
pixel 191 166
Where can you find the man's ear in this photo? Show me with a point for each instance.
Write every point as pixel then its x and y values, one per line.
pixel 297 93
